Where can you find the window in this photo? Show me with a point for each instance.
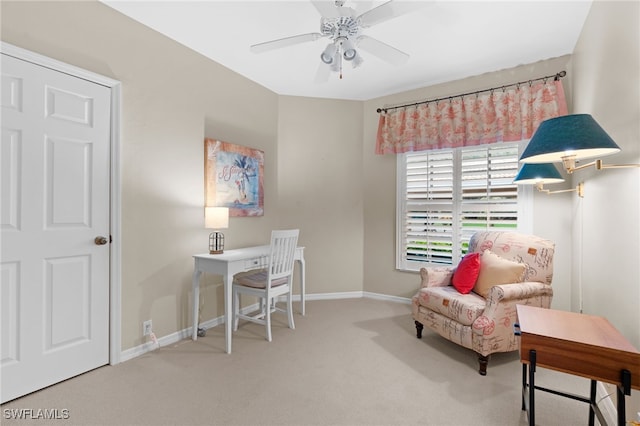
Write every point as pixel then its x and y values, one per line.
pixel 444 196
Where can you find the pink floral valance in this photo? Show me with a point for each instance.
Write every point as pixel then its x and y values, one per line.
pixel 509 114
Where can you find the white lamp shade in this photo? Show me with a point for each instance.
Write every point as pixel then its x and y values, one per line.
pixel 216 217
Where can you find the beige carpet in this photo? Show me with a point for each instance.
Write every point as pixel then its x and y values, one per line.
pixel 348 362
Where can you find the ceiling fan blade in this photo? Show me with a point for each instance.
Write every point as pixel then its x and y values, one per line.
pixel 382 50
pixel 327 9
pixel 284 42
pixel 389 10
pixel 363 6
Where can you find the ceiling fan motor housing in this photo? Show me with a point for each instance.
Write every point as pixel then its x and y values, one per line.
pixel 340 27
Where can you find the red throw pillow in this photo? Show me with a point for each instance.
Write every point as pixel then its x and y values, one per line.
pixel 466 274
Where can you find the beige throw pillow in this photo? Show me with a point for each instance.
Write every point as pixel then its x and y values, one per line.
pixel 495 270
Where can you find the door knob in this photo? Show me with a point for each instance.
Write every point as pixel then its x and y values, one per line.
pixel 100 240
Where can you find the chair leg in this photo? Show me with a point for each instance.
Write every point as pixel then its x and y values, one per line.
pixel 290 311
pixel 483 361
pixel 419 328
pixel 267 318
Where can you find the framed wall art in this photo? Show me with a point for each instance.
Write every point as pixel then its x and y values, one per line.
pixel 234 178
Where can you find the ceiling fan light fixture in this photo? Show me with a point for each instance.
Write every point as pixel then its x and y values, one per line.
pixel 348 50
pixel 350 54
pixel 327 56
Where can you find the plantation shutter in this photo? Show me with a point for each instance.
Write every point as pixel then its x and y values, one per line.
pixel 489 196
pixel 446 196
pixel 428 207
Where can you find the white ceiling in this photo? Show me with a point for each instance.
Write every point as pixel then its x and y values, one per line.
pixel 446 40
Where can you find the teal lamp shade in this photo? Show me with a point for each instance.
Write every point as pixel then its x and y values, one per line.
pixel 531 174
pixel 577 136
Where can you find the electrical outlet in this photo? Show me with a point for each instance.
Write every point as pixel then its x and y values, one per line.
pixel 147 328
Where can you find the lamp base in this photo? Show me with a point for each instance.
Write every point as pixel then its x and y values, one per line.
pixel 216 243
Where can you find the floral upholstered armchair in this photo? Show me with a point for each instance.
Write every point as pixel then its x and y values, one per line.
pixel 474 304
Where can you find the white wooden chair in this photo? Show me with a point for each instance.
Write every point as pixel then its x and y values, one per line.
pixel 269 283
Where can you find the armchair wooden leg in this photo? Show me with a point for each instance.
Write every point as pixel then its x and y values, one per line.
pixel 419 328
pixel 483 361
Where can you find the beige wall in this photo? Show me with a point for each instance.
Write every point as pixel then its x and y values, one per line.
pixel 320 187
pixel 171 99
pixel 607 86
pixel 607 221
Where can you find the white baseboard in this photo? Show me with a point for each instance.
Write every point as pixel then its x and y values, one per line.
pixel 175 337
pixel 353 295
pixel 378 296
pixel 607 407
pixel 331 296
pixel 185 333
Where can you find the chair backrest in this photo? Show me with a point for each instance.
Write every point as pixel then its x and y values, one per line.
pixel 283 248
pixel 535 252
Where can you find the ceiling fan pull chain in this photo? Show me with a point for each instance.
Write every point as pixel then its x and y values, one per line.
pixel 340 56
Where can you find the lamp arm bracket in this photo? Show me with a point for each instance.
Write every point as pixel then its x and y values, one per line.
pixel 598 164
pixel 573 168
pixel 579 189
pixel 601 166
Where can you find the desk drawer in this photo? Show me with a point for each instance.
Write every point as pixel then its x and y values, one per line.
pixel 256 263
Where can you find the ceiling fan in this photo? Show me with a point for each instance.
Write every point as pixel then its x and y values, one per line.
pixel 344 26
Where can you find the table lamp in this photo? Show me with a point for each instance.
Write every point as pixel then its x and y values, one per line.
pixel 216 218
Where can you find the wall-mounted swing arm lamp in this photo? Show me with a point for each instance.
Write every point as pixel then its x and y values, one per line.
pixel 539 174
pixel 570 138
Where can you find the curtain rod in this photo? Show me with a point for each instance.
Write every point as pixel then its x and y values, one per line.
pixel 556 77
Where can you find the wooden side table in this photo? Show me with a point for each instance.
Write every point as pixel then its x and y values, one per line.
pixel 579 344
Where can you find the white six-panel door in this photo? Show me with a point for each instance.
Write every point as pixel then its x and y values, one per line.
pixel 54 171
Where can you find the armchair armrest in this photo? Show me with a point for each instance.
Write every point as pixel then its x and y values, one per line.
pixel 519 291
pixel 502 301
pixel 436 277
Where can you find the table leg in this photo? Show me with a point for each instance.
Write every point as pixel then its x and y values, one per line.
pixel 532 387
pixel 524 386
pixel 228 310
pixel 624 388
pixel 592 402
pixel 302 283
pixel 195 289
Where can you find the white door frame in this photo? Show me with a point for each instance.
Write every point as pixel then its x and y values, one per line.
pixel 115 290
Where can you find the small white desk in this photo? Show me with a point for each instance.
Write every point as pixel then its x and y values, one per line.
pixel 228 264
